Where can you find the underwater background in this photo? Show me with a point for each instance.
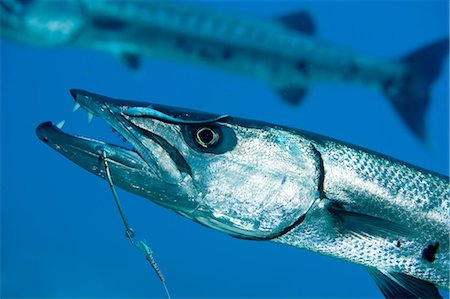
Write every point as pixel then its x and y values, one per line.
pixel 61 234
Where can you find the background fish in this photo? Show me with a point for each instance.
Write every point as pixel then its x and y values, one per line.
pixel 257 181
pixel 281 52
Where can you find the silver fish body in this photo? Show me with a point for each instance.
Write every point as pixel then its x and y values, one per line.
pixel 257 181
pixel 281 52
pixel 378 186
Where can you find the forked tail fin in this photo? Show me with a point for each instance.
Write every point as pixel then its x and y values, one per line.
pixel 412 98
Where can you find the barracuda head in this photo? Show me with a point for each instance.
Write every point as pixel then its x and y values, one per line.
pixel 41 22
pixel 250 180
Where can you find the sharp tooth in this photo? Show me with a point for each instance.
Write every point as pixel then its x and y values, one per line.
pixel 60 124
pixel 90 117
pixel 76 106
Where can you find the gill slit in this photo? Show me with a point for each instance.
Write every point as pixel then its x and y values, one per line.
pixel 129 232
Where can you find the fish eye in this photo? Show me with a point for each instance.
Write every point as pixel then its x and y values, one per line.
pixel 206 137
pixel 209 138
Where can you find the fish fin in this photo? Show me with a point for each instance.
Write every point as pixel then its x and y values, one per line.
pixel 299 21
pixel 365 225
pixel 292 95
pixel 132 61
pixel 412 97
pixel 398 285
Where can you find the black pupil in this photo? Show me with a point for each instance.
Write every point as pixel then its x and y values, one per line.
pixel 206 135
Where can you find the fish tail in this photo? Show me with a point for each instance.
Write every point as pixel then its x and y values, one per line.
pixel 412 97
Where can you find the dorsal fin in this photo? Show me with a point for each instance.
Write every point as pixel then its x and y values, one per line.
pixel 299 21
pixel 398 285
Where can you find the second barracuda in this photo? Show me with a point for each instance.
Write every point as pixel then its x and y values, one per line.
pixel 282 52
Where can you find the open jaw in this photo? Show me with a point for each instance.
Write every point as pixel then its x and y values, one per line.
pixel 152 168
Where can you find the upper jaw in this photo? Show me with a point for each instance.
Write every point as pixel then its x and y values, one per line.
pixel 98 104
pixel 112 111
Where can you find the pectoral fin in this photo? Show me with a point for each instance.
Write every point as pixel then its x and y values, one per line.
pixel 292 95
pixel 132 61
pixel 397 285
pixel 366 225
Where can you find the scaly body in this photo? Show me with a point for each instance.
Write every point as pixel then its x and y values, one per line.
pixel 373 185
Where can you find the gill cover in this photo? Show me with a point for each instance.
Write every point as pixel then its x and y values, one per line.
pixel 260 192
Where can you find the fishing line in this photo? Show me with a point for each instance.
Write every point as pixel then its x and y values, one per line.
pixel 129 232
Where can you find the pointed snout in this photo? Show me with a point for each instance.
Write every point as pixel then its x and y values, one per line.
pixel 92 103
pixel 49 133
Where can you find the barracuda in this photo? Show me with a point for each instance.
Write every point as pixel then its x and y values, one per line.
pixel 281 52
pixel 258 181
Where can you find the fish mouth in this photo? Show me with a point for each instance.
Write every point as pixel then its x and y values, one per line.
pixel 152 168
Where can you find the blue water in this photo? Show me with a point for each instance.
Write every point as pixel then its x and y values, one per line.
pixel 61 233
